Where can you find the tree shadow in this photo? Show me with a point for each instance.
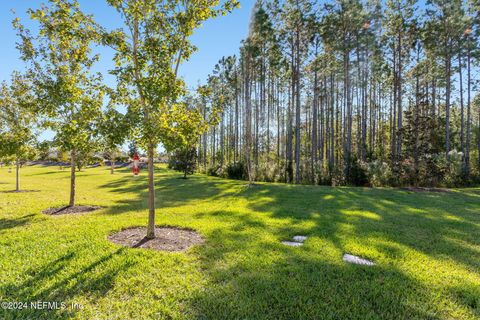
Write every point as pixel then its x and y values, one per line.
pixel 438 225
pixel 468 295
pixel 55 282
pixel 251 275
pixel 167 186
pixel 19 191
pixel 379 223
pixel 6 223
pixel 51 172
pixel 265 280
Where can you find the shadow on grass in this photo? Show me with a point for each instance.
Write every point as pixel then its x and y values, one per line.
pixel 252 278
pixel 298 284
pixel 50 172
pixel 441 225
pixel 438 225
pixel 6 223
pixel 170 191
pixel 19 191
pixel 55 282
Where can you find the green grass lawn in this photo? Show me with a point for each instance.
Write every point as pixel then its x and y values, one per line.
pixel 426 246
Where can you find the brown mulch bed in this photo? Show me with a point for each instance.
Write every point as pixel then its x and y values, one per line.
pixel 166 238
pixel 70 210
pixel 421 189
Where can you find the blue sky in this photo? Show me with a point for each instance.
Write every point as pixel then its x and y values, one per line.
pixel 218 37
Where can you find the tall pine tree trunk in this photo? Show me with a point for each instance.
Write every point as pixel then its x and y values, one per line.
pixel 297 108
pixel 462 110
pixel 331 159
pixel 314 157
pixel 469 118
pixel 399 96
pixel 291 101
pixel 248 121
pixel 447 105
pixel 235 153
pixel 348 111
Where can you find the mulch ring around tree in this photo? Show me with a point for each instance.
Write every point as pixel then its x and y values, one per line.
pixel 421 189
pixel 70 210
pixel 166 238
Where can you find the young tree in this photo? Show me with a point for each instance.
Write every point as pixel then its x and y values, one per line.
pixel 149 48
pixel 132 149
pixel 114 128
pixel 16 122
pixel 191 122
pixel 85 153
pixel 184 160
pixel 59 57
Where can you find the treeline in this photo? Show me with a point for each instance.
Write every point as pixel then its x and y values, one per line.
pixel 349 92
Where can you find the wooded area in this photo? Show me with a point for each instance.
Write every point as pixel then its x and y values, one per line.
pixel 349 92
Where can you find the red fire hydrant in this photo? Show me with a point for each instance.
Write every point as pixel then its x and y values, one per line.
pixel 136 164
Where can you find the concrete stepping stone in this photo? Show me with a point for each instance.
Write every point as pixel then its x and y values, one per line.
pixel 292 243
pixel 299 238
pixel 357 260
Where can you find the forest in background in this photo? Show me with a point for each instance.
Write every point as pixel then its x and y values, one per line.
pixel 348 92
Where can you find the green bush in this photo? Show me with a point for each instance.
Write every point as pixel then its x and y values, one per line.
pixel 213 171
pixel 379 173
pixel 183 160
pixel 237 171
pixel 356 175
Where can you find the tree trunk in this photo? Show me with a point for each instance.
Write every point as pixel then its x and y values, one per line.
pixel 348 111
pixel 291 102
pixel 469 120
pixel 314 139
pixel 462 109
pixel 447 105
pixel 151 194
pixel 17 175
pixel 112 163
pixel 331 159
pixel 72 179
pixel 297 109
pixel 399 97
pixel 235 153
pixel 248 120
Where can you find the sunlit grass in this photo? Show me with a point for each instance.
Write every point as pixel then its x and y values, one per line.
pixel 426 246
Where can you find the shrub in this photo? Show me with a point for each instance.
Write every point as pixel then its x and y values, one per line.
pixel 184 160
pixel 237 171
pixel 405 173
pixel 266 171
pixel 213 171
pixel 379 173
pixel 453 171
pixel 357 175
